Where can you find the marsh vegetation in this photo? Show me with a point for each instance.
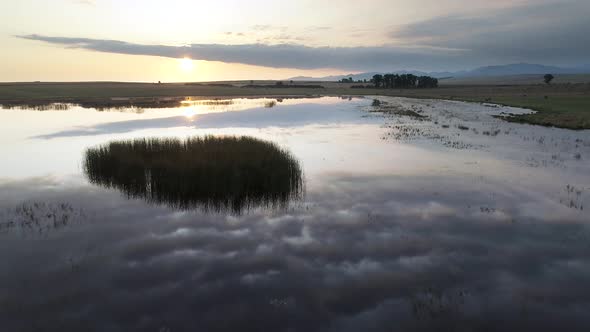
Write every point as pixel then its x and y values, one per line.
pixel 39 217
pixel 232 174
pixel 388 108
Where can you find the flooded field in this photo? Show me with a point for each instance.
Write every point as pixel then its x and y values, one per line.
pixel 378 213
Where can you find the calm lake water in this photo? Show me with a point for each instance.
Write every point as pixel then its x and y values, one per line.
pixel 444 218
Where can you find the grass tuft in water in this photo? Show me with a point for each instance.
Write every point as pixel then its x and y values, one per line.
pixel 211 173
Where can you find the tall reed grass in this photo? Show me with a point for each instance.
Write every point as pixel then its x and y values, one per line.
pixel 211 173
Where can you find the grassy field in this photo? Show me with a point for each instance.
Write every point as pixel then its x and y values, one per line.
pixel 564 105
pixel 19 92
pixel 530 79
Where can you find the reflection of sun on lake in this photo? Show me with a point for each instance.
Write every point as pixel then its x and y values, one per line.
pixel 190 108
pixel 189 112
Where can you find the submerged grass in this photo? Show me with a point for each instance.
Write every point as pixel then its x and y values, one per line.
pixel 387 108
pixel 557 105
pixel 210 173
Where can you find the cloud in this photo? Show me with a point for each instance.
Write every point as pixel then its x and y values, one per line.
pixel 278 56
pixel 542 32
pixel 268 27
pixel 318 28
pixel 553 32
pixel 85 2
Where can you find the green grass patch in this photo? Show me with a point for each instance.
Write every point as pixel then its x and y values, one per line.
pixel 572 112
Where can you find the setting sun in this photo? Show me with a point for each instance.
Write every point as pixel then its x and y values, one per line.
pixel 186 64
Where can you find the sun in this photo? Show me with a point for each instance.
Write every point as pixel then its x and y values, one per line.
pixel 186 64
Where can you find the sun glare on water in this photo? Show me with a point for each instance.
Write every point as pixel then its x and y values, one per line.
pixel 186 64
pixel 189 112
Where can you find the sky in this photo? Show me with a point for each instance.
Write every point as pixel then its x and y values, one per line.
pixel 183 40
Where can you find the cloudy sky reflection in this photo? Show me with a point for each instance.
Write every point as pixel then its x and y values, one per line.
pixel 361 253
pixel 391 235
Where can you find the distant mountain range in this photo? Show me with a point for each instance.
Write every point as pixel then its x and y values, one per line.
pixel 503 70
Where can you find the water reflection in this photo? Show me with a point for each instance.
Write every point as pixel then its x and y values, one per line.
pixel 38 106
pixel 400 233
pixel 140 104
pixel 209 173
pixel 238 114
pixel 361 253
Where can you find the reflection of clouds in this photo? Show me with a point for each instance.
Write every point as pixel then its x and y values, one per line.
pixel 289 115
pixel 358 255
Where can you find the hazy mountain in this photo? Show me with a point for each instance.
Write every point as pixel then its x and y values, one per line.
pixel 503 70
pixel 519 69
pixel 356 77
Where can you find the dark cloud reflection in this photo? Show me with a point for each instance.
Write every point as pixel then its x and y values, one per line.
pixel 366 253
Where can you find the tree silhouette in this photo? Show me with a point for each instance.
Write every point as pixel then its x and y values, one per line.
pixel 404 81
pixel 378 80
pixel 548 78
pixel 389 81
pixel 427 82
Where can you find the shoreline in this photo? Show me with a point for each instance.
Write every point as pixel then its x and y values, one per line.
pixel 562 106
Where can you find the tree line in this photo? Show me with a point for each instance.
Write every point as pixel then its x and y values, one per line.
pixel 393 81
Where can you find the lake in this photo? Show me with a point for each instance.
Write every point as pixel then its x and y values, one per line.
pixel 411 215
